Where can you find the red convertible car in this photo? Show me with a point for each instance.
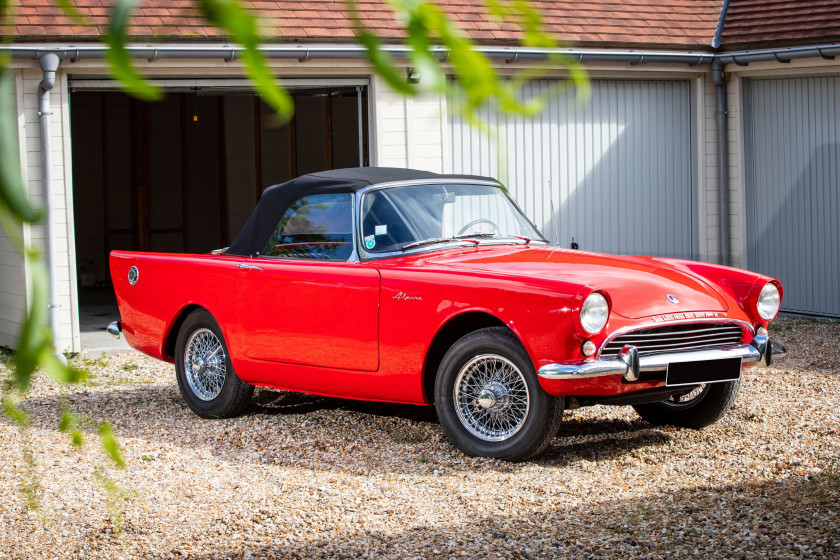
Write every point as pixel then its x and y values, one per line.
pixel 413 287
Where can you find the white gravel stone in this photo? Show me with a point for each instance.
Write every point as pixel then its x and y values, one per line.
pixel 312 477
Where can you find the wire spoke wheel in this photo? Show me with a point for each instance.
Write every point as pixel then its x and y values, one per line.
pixel 687 400
pixel 491 397
pixel 204 364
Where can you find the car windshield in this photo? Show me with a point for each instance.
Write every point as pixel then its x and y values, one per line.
pixel 403 218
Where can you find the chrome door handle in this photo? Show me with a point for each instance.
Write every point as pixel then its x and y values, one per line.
pixel 243 266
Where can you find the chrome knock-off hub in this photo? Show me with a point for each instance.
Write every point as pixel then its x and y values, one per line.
pixel 494 394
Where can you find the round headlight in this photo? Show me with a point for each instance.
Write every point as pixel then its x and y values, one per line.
pixel 769 301
pixel 594 313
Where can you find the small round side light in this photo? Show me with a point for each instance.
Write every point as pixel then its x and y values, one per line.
pixel 133 275
pixel 588 348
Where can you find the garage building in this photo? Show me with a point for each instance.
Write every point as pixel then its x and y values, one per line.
pixel 637 170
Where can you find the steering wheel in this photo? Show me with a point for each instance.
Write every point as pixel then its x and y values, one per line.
pixel 491 223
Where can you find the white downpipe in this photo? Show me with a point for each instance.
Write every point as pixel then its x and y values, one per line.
pixel 49 64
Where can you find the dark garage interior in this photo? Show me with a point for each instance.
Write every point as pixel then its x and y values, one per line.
pixel 183 174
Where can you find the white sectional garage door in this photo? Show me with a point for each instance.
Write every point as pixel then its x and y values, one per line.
pixel 792 145
pixel 619 172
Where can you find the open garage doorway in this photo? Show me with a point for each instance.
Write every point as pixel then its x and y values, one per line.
pixel 183 174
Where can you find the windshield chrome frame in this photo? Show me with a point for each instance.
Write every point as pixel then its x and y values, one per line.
pixel 361 253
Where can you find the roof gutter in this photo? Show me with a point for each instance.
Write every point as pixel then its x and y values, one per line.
pixel 784 55
pixel 303 53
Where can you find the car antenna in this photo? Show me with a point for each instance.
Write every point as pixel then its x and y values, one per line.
pixel 553 215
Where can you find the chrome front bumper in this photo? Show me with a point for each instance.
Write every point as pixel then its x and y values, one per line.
pixel 629 364
pixel 114 329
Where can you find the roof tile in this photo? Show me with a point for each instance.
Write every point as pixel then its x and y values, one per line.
pixel 660 23
pixel 756 23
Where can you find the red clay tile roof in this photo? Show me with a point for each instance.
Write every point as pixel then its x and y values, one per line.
pixel 682 24
pixel 757 23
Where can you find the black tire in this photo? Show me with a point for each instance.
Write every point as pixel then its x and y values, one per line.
pixel 528 429
pixel 700 408
pixel 211 388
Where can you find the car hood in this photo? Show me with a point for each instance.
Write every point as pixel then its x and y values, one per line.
pixel 637 286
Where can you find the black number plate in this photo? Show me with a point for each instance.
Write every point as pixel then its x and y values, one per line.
pixel 710 371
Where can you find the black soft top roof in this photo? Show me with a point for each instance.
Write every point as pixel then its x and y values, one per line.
pixel 276 200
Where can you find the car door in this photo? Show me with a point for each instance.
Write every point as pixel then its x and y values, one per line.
pixel 302 301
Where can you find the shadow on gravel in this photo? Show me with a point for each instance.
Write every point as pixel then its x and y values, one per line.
pixel 789 518
pixel 561 454
pixel 305 430
pixel 277 402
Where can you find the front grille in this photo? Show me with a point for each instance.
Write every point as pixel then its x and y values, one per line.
pixel 677 338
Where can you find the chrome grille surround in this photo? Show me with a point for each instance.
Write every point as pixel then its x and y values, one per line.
pixel 678 337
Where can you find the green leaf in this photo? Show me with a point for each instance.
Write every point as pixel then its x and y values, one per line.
pixel 13 195
pixel 267 87
pixel 66 420
pixel 60 371
pixel 14 412
pixel 119 58
pixel 35 343
pixel 242 27
pixel 35 336
pixel 69 422
pixel 70 10
pixel 382 62
pixel 110 444
pixel 6 11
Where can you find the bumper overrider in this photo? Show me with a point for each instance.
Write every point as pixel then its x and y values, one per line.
pixel 630 365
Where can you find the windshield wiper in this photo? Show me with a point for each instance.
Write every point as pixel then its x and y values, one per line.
pixel 527 240
pixel 433 240
pixel 475 234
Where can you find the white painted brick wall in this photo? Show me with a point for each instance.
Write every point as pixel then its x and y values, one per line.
pixel 711 227
pixel 710 224
pixel 12 271
pixel 67 338
pixel 408 132
pixel 737 211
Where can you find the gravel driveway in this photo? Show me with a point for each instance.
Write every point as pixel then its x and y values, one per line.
pixel 304 477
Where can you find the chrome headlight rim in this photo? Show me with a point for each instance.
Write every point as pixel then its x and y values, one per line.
pixel 594 313
pixel 769 302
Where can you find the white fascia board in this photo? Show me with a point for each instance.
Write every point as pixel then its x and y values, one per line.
pixel 187 84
